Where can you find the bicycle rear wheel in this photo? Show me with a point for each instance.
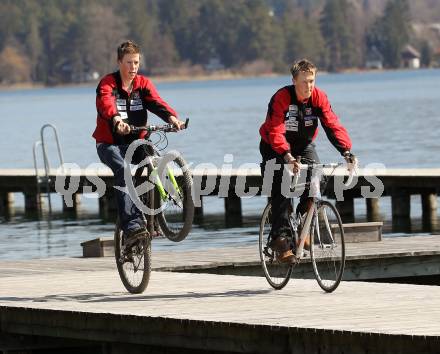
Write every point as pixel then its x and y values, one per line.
pixel 177 215
pixel 133 263
pixel 327 249
pixel 277 274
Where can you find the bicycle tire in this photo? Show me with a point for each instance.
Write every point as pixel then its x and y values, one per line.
pixel 134 277
pixel 327 247
pixel 176 219
pixel 277 274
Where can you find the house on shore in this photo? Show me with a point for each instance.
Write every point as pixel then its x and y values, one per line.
pixel 410 57
pixel 374 59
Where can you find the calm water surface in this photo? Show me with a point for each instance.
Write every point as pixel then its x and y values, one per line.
pixel 392 117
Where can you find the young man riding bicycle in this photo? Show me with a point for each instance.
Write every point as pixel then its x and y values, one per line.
pixel 123 98
pixel 289 130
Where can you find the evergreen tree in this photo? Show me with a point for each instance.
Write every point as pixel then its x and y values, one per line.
pixel 261 36
pixel 425 54
pixel 53 29
pixel 338 35
pixel 34 48
pixel 208 35
pixel 303 37
pixel 391 32
pixel 178 20
pixel 10 21
pixel 56 41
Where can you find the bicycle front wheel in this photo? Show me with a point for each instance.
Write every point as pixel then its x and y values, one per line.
pixel 133 263
pixel 176 201
pixel 327 249
pixel 277 274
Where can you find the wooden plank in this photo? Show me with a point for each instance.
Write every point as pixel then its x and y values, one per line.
pixel 388 247
pixel 228 313
pixel 354 232
pixel 363 232
pixel 391 257
pixel 99 247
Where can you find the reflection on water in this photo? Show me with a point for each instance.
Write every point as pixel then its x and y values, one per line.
pixel 24 235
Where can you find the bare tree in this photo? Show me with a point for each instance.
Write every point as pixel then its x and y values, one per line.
pixel 104 32
pixel 14 66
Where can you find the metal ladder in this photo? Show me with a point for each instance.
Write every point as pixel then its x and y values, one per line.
pixel 45 180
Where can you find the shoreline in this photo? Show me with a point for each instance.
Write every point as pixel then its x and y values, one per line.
pixel 156 79
pixel 221 75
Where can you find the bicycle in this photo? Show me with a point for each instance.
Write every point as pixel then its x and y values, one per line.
pixel 170 208
pixel 321 223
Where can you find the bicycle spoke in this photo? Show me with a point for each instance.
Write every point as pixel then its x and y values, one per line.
pixel 133 262
pixel 177 205
pixel 328 247
pixel 277 274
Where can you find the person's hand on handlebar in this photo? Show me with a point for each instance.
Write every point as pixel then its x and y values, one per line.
pixel 292 163
pixel 178 124
pixel 352 161
pixel 120 126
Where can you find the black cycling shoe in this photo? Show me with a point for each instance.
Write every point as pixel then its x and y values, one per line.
pixel 134 235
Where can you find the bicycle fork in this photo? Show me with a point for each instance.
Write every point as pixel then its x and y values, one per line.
pixel 328 228
pixel 306 229
pixel 164 195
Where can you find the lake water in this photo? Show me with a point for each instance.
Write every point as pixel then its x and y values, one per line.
pixel 392 117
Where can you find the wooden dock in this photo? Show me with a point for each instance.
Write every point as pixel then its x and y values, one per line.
pixel 399 184
pixel 80 303
pixel 397 259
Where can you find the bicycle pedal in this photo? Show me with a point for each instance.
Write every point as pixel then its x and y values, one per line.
pixel 132 241
pixel 295 260
pixel 303 254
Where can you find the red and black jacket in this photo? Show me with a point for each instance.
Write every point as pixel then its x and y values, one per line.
pixel 112 100
pixel 292 125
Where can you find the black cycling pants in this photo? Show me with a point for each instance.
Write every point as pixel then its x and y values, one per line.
pixel 279 209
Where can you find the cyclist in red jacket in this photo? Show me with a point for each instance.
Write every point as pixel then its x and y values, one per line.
pixel 123 98
pixel 289 130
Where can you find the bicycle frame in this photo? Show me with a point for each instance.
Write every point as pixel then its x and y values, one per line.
pixel 158 183
pixel 305 228
pixel 153 173
pixel 312 213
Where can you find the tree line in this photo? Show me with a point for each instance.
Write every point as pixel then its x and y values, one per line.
pixel 62 41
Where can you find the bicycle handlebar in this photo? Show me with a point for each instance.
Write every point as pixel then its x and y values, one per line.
pixel 313 164
pixel 351 173
pixel 155 128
